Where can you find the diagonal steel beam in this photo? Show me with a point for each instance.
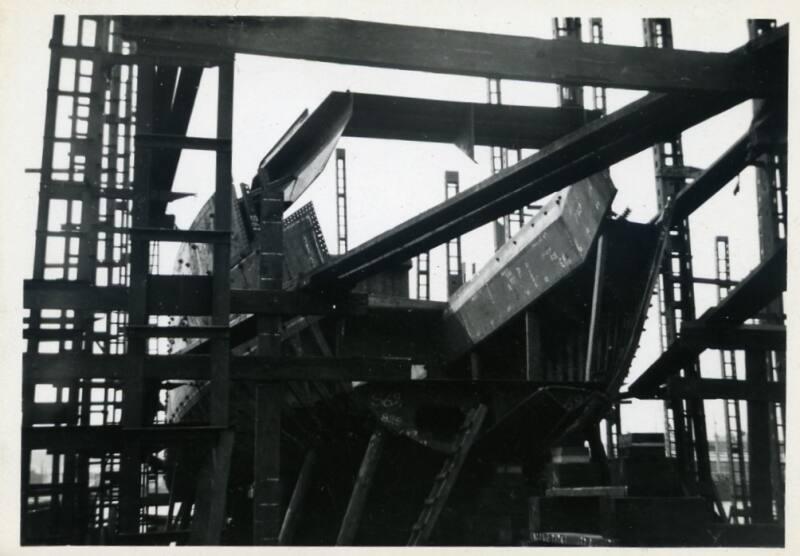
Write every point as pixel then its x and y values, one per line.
pixel 760 287
pixel 586 151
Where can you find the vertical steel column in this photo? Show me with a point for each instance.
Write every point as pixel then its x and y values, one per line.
pixel 341 202
pixel 596 37
pixel 267 515
pixel 499 160
pixel 772 221
pixel 223 194
pixel 76 471
pixel 211 495
pixel 569 28
pixel 455 274
pixel 133 404
pixel 677 291
pixel 758 440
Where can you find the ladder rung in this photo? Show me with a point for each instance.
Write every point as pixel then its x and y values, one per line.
pixel 165 141
pixel 181 236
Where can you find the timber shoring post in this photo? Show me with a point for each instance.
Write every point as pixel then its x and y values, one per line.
pixel 291 519
pixel 597 297
pixel 358 499
pixel 212 487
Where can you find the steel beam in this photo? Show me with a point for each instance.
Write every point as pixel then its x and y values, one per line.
pixel 187 295
pixel 103 439
pixel 742 153
pixel 760 287
pixel 460 52
pixel 502 125
pixel 578 155
pixel 49 368
pixel 758 440
pixel 714 336
pixel 725 389
pixel 714 178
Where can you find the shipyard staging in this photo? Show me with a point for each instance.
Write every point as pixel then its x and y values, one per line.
pixel 268 391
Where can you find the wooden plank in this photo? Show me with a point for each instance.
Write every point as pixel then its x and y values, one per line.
pixel 459 52
pixel 358 498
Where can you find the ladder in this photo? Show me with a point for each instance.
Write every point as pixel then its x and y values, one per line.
pixel 423 275
pixel 446 478
pixel 94 199
pixel 740 505
pixel 677 293
pixel 455 272
pixel 498 157
pixel 777 437
pixel 341 202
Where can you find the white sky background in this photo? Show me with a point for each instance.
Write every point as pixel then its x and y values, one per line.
pixel 388 181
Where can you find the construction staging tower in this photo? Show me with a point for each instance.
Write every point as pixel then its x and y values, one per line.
pixel 268 392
